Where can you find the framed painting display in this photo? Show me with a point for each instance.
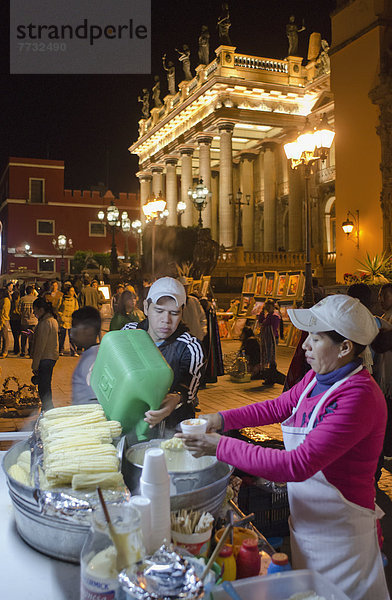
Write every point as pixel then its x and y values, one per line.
pixel 294 337
pixel 257 307
pixel 283 311
pixel 196 286
pixel 287 331
pixel 205 284
pixel 281 285
pixel 248 284
pixel 246 304
pixel 293 285
pixel 269 283
pixel 258 284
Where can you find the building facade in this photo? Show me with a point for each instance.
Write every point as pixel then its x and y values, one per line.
pixel 35 208
pixel 228 126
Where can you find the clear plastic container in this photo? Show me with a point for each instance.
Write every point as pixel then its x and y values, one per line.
pixel 283 585
pixel 130 376
pixel 98 560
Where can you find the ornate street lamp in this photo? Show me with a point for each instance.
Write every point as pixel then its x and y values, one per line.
pixel 137 230
pixel 237 201
pixel 311 145
pixel 62 245
pixel 27 249
pixel 199 195
pixel 112 217
pixel 126 229
pixel 154 209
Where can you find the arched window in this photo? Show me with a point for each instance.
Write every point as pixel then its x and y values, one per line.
pixel 330 224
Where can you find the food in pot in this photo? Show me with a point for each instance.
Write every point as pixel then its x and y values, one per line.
pixel 77 448
pixel 21 469
pixel 173 444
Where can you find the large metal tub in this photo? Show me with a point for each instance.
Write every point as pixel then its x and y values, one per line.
pixel 202 487
pixel 63 539
pixel 54 536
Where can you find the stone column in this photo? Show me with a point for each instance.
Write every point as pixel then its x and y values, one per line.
pixel 258 186
pixel 171 189
pixel 269 198
pixel 186 183
pixel 145 191
pixel 157 180
pixel 215 205
pixel 204 142
pixel 247 189
pixel 226 221
pixel 296 203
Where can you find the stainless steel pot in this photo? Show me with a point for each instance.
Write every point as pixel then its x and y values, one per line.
pixel 50 535
pixel 203 487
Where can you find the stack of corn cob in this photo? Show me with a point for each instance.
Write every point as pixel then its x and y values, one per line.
pixel 78 449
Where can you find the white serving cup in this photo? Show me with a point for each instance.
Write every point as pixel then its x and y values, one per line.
pixel 143 505
pixel 154 467
pixel 193 426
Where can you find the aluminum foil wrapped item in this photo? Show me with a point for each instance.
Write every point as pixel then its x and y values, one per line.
pixel 63 501
pixel 164 576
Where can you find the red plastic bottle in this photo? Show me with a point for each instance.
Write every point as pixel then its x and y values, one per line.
pixel 248 559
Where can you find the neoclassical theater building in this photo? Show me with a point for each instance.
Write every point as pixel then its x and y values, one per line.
pixel 228 126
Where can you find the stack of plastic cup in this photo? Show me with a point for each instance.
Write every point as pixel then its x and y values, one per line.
pixel 143 505
pixel 155 485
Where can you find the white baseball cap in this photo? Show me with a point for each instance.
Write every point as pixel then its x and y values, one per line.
pixel 340 313
pixel 167 286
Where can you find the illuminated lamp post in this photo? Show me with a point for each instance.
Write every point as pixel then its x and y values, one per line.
pixel 154 209
pixel 237 201
pixel 126 229
pixel 112 217
pixel 311 145
pixel 62 245
pixel 199 195
pixel 137 230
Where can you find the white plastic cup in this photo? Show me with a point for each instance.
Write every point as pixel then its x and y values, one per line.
pixel 193 426
pixel 159 495
pixel 154 467
pixel 143 505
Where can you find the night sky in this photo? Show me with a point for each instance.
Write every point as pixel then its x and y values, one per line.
pixel 90 121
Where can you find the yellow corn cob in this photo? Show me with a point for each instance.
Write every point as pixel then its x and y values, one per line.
pixel 16 472
pixel 103 480
pixel 71 411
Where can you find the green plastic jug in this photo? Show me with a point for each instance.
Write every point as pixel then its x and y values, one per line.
pixel 130 376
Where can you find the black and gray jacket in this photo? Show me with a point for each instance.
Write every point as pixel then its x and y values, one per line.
pixel 184 354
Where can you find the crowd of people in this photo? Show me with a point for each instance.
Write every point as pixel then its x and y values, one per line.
pixel 336 418
pixel 41 320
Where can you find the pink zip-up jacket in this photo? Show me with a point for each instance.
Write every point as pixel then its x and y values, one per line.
pixel 345 442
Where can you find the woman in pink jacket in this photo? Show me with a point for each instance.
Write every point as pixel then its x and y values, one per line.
pixel 333 424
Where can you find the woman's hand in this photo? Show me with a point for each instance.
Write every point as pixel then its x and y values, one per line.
pixel 214 421
pixel 204 444
pixel 169 403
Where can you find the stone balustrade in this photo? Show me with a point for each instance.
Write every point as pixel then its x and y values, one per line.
pixel 326 175
pixel 263 64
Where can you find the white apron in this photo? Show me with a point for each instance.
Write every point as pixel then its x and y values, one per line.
pixel 328 533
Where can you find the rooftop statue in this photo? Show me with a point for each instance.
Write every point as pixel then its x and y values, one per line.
pixel 156 92
pixel 184 57
pixel 145 100
pixel 292 31
pixel 170 74
pixel 224 25
pixel 204 46
pixel 323 63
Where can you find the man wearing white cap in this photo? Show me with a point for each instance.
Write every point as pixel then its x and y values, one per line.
pixel 333 424
pixel 183 352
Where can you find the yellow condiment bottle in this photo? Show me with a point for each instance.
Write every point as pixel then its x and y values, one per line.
pixel 227 561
